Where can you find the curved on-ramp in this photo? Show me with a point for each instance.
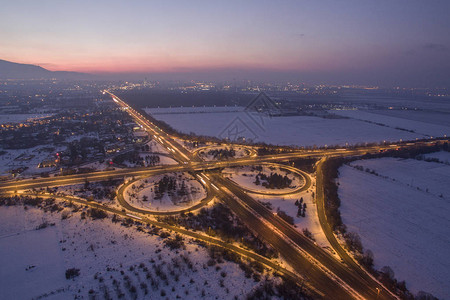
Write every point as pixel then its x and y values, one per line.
pixel 121 199
pixel 306 182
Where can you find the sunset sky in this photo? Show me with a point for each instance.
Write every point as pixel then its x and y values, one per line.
pixel 391 41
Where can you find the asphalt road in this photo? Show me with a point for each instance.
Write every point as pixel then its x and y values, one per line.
pixel 275 192
pixel 358 280
pixel 320 202
pixel 314 275
pixel 121 199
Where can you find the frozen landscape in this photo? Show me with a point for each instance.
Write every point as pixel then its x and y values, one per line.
pixel 400 210
pixel 441 156
pixel 112 260
pixel 235 150
pixel 408 120
pixel 359 127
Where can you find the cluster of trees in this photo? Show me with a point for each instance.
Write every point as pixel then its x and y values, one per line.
pixel 286 289
pixel 306 164
pixel 169 184
pixel 273 181
pixel 301 207
pixel 95 213
pixel 72 273
pixel 285 216
pixel 175 243
pixel 222 154
pixel 331 198
pixel 134 158
pixel 268 151
pixel 308 233
pixel 165 184
pixel 220 221
pixel 145 148
pixel 152 160
pixel 48 204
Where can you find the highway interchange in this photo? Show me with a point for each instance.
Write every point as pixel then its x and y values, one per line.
pixel 325 275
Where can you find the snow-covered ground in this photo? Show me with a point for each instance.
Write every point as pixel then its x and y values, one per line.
pixel 436 115
pixel 442 156
pixel 143 193
pixel 430 177
pixel 245 176
pixel 108 256
pixel 406 227
pixel 310 221
pixel 290 130
pixel 193 109
pixel 154 146
pixel 420 127
pixel 30 158
pixel 20 118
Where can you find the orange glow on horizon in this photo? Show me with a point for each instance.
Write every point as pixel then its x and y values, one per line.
pixel 151 66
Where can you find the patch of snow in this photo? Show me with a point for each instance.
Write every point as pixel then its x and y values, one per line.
pixel 420 127
pixel 297 130
pixel 192 109
pixel 405 227
pixel 442 156
pixel 104 252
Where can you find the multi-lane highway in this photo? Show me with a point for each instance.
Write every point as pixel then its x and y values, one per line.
pixel 324 273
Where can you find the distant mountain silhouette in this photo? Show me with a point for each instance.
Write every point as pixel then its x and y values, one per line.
pixel 12 70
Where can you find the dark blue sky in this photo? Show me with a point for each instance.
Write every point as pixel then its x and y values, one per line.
pixel 386 42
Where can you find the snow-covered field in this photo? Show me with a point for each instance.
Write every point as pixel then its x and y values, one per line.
pixel 112 260
pixel 430 177
pixel 442 156
pixel 420 127
pixel 437 115
pixel 245 177
pixel 30 158
pixel 406 226
pixel 193 109
pixel 141 193
pixel 19 118
pixel 290 130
